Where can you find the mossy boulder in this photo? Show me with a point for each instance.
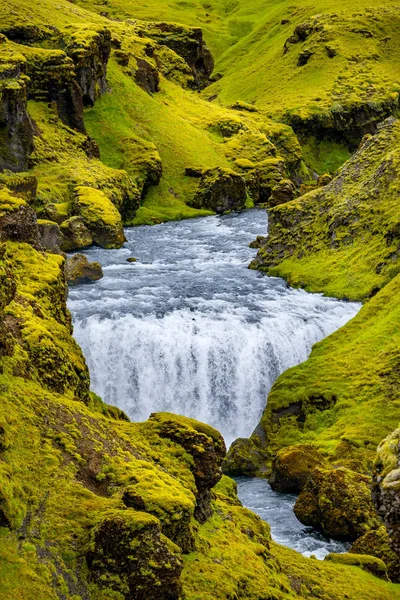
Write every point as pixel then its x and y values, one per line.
pixel 293 466
pixel 377 543
pixel 372 564
pixel 100 217
pixel 386 488
pixel 244 457
pixel 74 234
pixel 79 270
pixel 18 220
pixel 339 502
pixel 283 192
pixel 207 448
pixel 221 190
pixel 130 555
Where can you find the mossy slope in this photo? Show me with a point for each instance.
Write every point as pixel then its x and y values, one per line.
pixel 79 484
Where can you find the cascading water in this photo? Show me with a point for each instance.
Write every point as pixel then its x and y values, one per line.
pixel 189 329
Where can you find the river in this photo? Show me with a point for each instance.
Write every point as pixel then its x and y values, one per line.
pixel 189 329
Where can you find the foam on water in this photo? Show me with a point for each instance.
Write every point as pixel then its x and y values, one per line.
pixel 189 329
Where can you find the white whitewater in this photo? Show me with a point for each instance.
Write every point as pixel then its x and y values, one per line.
pixel 189 329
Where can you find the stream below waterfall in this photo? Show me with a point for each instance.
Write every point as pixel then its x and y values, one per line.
pixel 189 329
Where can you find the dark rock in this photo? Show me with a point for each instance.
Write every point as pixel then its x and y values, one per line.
pixel 16 129
pixel 50 236
pixel 79 270
pixel 258 242
pixel 377 543
pixel 293 466
pixel 221 190
pixel 130 555
pixel 20 226
pixel 194 171
pixel 122 57
pixel 338 502
pixel 131 259
pixel 146 76
pixel 324 180
pixel 52 79
pixel 304 57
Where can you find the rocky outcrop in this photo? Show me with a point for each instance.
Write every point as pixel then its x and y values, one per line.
pixel 338 502
pixel 79 270
pixel 293 466
pixel 377 543
pixel 244 457
pixel 386 489
pixel 205 445
pixel 220 190
pixel 18 221
pixel 130 555
pixel 89 47
pixel 74 234
pixel 16 130
pixel 186 42
pixel 52 79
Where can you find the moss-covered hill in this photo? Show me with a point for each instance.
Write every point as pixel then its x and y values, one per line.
pixel 95 507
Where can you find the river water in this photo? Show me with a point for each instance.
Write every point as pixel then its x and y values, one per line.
pixel 189 329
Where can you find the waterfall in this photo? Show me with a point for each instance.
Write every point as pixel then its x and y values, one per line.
pixel 190 329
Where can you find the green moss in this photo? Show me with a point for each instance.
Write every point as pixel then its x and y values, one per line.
pixel 100 216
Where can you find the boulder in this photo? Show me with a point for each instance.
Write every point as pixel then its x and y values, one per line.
pixel 377 543
pixel 220 190
pixel 100 216
pixel 371 564
pixel 386 486
pixel 293 466
pixel 129 554
pixel 244 458
pixel 338 502
pixel 50 235
pixel 75 234
pixel 283 192
pixel 79 270
pixel 18 221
